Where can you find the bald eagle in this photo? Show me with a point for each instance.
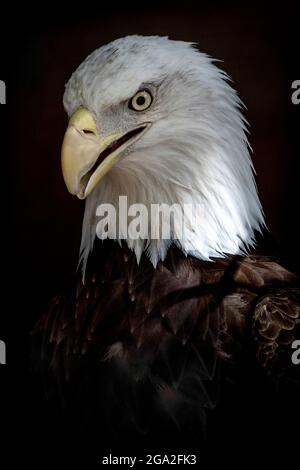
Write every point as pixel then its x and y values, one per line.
pixel 150 328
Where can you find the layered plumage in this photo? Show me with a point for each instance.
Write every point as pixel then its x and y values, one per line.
pixel 148 333
pixel 137 348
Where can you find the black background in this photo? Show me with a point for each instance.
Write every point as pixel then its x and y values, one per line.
pixel 41 223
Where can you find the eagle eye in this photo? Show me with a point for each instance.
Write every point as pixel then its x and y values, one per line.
pixel 141 101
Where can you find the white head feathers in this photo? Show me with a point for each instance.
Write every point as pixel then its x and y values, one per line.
pixel 195 152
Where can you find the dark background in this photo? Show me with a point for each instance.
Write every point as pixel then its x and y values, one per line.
pixel 41 222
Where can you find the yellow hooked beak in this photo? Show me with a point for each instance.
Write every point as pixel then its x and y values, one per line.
pixel 85 157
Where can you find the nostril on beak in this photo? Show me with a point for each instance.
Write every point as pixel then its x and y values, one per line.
pixel 88 131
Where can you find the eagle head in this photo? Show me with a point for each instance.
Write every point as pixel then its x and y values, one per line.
pixel 156 121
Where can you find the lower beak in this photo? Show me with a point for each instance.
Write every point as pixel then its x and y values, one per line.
pixel 85 157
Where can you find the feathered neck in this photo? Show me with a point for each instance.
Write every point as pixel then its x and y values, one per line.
pixel 222 217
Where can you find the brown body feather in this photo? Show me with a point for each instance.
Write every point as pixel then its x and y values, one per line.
pixel 135 346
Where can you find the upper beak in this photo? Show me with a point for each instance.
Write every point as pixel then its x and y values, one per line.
pixel 85 157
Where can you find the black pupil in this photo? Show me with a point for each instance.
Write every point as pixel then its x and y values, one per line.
pixel 140 100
